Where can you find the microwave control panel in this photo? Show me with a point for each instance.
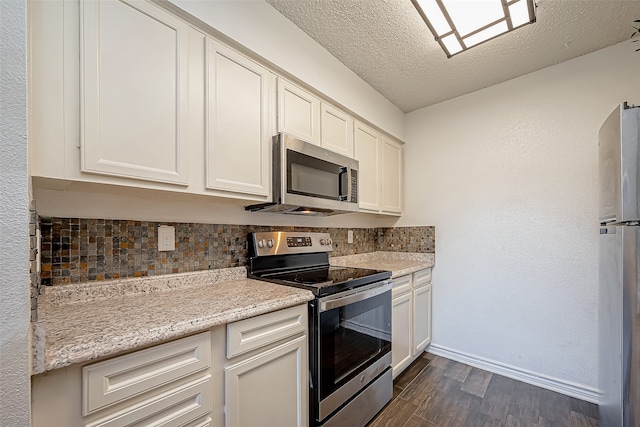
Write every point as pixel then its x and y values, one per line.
pixel 354 186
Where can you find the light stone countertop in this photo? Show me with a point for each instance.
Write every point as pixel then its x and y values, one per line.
pixel 88 321
pixel 399 263
pixel 77 332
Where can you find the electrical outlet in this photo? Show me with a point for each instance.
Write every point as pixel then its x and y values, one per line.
pixel 166 238
pixel 350 236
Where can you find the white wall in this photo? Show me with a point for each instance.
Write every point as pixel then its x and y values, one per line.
pixel 14 218
pixel 508 176
pixel 259 27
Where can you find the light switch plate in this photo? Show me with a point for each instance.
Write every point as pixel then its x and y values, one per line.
pixel 166 238
pixel 350 236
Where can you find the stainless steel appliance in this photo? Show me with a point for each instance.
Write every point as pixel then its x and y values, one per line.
pixel 619 295
pixel 309 180
pixel 349 324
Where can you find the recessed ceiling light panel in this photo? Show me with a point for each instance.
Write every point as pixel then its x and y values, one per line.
pixel 460 24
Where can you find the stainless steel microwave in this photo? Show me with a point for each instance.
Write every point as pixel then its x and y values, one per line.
pixel 309 180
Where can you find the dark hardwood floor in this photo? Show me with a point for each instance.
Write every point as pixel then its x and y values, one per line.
pixel 435 391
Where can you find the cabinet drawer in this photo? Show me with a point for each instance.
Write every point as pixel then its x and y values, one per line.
pixel 249 334
pixel 421 278
pixel 111 381
pixel 173 408
pixel 401 285
pixel 207 422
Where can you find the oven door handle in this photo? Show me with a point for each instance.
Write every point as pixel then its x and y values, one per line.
pixel 335 301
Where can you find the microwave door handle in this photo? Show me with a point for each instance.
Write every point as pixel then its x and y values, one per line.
pixel 341 184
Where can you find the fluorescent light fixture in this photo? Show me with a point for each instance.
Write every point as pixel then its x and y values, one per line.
pixel 461 24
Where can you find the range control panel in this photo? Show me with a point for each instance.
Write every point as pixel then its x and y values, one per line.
pixel 284 242
pixel 296 242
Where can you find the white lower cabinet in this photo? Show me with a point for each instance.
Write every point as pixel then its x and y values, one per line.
pixel 269 389
pixel 401 355
pixel 266 375
pixel 166 385
pixel 249 373
pixel 421 319
pixel 411 318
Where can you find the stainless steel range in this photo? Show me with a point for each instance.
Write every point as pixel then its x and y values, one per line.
pixel 349 324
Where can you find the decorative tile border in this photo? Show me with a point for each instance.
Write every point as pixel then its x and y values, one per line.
pixel 76 250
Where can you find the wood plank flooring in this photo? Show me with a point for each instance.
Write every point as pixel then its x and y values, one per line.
pixel 438 392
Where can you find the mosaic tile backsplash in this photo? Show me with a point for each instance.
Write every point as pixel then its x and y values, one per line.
pixel 82 250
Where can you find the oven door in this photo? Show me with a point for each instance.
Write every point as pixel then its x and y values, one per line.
pixel 353 343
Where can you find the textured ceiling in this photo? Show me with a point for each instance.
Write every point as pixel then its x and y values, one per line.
pixel 387 44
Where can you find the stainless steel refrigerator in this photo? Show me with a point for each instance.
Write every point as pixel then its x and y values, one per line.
pixel 619 269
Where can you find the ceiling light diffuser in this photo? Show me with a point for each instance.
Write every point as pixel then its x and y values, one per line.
pixel 461 24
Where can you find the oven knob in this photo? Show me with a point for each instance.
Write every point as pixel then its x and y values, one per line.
pixel 323 242
pixel 270 243
pixel 261 243
pixel 329 241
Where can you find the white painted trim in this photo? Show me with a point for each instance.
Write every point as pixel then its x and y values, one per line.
pixel 568 388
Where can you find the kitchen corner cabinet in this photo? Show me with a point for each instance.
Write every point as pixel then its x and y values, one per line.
pixel 239 96
pixel 221 377
pixel 134 62
pixel 411 318
pixel 298 112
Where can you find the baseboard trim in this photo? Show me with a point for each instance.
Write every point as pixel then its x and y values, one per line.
pixel 564 387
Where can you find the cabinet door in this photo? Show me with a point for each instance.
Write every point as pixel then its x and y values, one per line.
pixel 237 129
pixel 298 112
pixel 421 318
pixel 391 176
pixel 366 152
pixel 401 333
pixel 269 389
pixel 134 102
pixel 337 131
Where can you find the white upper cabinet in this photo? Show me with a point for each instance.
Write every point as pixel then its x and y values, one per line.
pixel 134 94
pixel 239 102
pixel 391 173
pixel 337 130
pixel 366 152
pixel 298 112
pixel 125 93
pixel 380 174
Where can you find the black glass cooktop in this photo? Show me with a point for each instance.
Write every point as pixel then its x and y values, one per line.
pixel 327 280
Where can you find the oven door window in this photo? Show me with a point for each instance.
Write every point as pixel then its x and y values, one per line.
pixel 309 176
pixel 352 337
